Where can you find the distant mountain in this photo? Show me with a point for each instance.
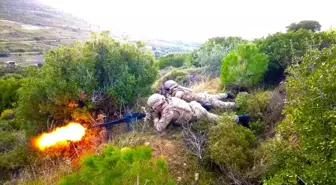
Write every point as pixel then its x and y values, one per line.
pixel 28 28
pixel 35 13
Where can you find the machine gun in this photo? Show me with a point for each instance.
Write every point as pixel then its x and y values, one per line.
pixel 128 118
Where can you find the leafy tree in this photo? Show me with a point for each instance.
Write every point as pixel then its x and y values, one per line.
pixel 9 84
pixel 308 132
pixel 244 67
pixel 71 74
pixel 212 53
pixel 174 60
pixel 223 41
pixel 311 25
pixel 121 166
pixel 284 48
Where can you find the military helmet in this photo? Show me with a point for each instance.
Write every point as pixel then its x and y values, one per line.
pixel 168 85
pixel 155 100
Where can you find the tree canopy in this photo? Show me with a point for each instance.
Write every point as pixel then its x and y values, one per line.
pixel 311 25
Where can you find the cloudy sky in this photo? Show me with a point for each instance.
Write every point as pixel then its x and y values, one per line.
pixel 198 20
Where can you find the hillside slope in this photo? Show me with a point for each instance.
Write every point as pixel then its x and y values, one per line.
pixel 28 28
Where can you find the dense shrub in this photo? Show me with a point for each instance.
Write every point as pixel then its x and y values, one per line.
pixel 212 53
pixel 285 48
pixel 9 84
pixel 309 128
pixel 255 104
pixel 230 145
pixel 177 75
pixel 15 152
pixel 244 67
pixel 121 166
pixel 223 41
pixel 7 114
pixel 70 75
pixel 311 25
pixel 174 60
pixel 265 109
pixel 12 70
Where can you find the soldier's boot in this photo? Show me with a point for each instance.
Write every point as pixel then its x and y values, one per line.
pixel 222 96
pixel 207 106
pixel 244 120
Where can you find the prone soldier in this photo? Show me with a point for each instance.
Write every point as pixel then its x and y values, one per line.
pixel 173 89
pixel 172 109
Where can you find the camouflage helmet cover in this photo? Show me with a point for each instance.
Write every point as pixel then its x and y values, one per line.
pixel 170 84
pixel 155 100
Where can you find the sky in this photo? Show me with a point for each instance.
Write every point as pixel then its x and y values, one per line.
pixel 198 20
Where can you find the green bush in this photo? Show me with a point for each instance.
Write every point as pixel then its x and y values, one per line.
pixel 244 67
pixel 285 48
pixel 9 84
pixel 212 52
pixel 177 75
pixel 121 166
pixel 122 72
pixel 265 109
pixel 311 25
pixel 174 60
pixel 15 152
pixel 7 114
pixel 230 145
pixel 309 127
pixel 255 104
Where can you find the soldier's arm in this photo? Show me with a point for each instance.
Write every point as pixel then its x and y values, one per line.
pixel 163 122
pixel 179 94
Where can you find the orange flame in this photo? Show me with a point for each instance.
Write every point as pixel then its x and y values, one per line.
pixel 60 136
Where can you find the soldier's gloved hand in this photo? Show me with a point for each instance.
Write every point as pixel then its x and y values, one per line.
pixel 230 96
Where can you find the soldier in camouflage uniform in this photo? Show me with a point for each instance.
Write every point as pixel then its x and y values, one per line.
pixel 172 109
pixel 175 90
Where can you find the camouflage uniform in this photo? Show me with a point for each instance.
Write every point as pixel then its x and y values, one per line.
pixel 167 110
pixel 188 95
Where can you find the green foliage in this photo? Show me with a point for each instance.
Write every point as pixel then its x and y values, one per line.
pixel 255 104
pixel 309 127
pixel 9 84
pixel 265 109
pixel 7 114
pixel 257 127
pixel 223 41
pixel 174 60
pixel 212 53
pixel 244 67
pixel 121 71
pixel 177 75
pixel 121 166
pixel 231 144
pixel 12 70
pixel 311 25
pixel 15 152
pixel 285 48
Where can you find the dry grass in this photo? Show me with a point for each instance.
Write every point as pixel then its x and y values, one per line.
pixel 208 85
pixel 48 173
pixel 180 163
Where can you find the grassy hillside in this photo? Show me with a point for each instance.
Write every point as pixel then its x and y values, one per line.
pixel 29 28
